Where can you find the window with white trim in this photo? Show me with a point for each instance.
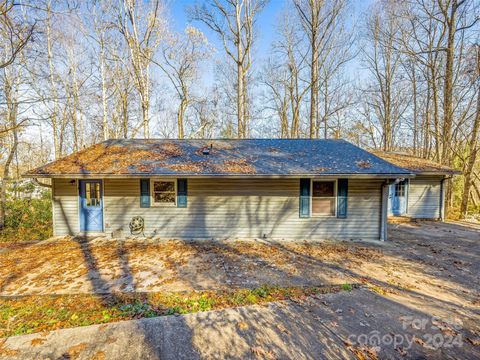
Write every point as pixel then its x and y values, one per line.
pixel 324 198
pixel 164 192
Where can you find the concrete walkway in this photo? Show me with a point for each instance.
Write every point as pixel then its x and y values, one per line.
pixel 346 325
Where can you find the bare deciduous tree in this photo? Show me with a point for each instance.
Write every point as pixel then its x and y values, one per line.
pixel 11 80
pixel 473 143
pixel 319 19
pixel 181 60
pixel 385 95
pixel 17 32
pixel 233 21
pixel 142 29
pixel 286 77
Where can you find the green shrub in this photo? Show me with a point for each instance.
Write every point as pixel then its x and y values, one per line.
pixel 27 219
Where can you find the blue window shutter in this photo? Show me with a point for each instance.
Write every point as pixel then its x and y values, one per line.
pixel 182 193
pixel 342 196
pixel 144 193
pixel 304 198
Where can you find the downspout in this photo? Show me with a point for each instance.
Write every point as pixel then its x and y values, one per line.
pixel 442 197
pixel 407 195
pixel 384 210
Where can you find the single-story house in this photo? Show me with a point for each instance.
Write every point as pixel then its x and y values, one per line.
pixel 218 189
pixel 421 197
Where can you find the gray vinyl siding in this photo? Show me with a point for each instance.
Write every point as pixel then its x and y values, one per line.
pixel 65 207
pixel 424 193
pixel 243 208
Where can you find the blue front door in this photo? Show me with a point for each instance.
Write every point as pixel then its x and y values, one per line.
pixel 399 198
pixel 91 205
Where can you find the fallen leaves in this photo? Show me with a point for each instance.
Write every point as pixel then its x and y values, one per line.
pixel 261 353
pixel 41 313
pixel 37 341
pixel 401 351
pixel 474 342
pixel 282 329
pixel 412 163
pixel 364 352
pixel 67 265
pixel 243 325
pixel 234 166
pixel 364 164
pixel 75 350
pixel 115 158
pixel 6 351
pixel 99 355
pixel 70 266
pixel 111 158
pixel 240 166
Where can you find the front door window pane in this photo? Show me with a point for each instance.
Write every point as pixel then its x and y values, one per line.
pixel 92 194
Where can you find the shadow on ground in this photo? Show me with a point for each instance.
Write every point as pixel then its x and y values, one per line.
pixel 347 325
pixel 427 272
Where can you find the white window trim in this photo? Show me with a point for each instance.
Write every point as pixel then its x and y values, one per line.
pixel 335 193
pixel 155 204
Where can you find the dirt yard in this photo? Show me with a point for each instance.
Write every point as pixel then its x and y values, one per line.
pixel 432 259
pixel 428 267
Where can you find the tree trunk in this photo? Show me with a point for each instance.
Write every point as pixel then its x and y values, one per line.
pixel 240 129
pixel 75 108
pixel 104 88
pixel 436 122
pixel 468 180
pixel 181 117
pixel 426 124
pixel 6 177
pixel 145 98
pixel 448 87
pixel 245 108
pixel 53 89
pixel 325 111
pixel 415 111
pixel 313 77
pixel 124 112
pixel 12 112
pixel 294 131
pixel 146 130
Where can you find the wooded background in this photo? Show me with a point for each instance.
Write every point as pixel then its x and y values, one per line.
pixel 73 73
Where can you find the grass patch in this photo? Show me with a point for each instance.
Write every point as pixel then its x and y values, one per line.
pixel 347 287
pixel 30 314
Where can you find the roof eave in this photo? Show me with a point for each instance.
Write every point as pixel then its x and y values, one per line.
pixel 439 173
pixel 143 175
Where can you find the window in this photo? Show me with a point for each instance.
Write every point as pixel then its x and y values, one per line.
pixel 92 194
pixel 324 198
pixel 400 189
pixel 163 192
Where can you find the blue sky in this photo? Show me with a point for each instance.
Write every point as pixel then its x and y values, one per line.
pixel 266 26
pixel 266 22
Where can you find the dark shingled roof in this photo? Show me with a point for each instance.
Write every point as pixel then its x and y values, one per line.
pixel 416 164
pixel 255 157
